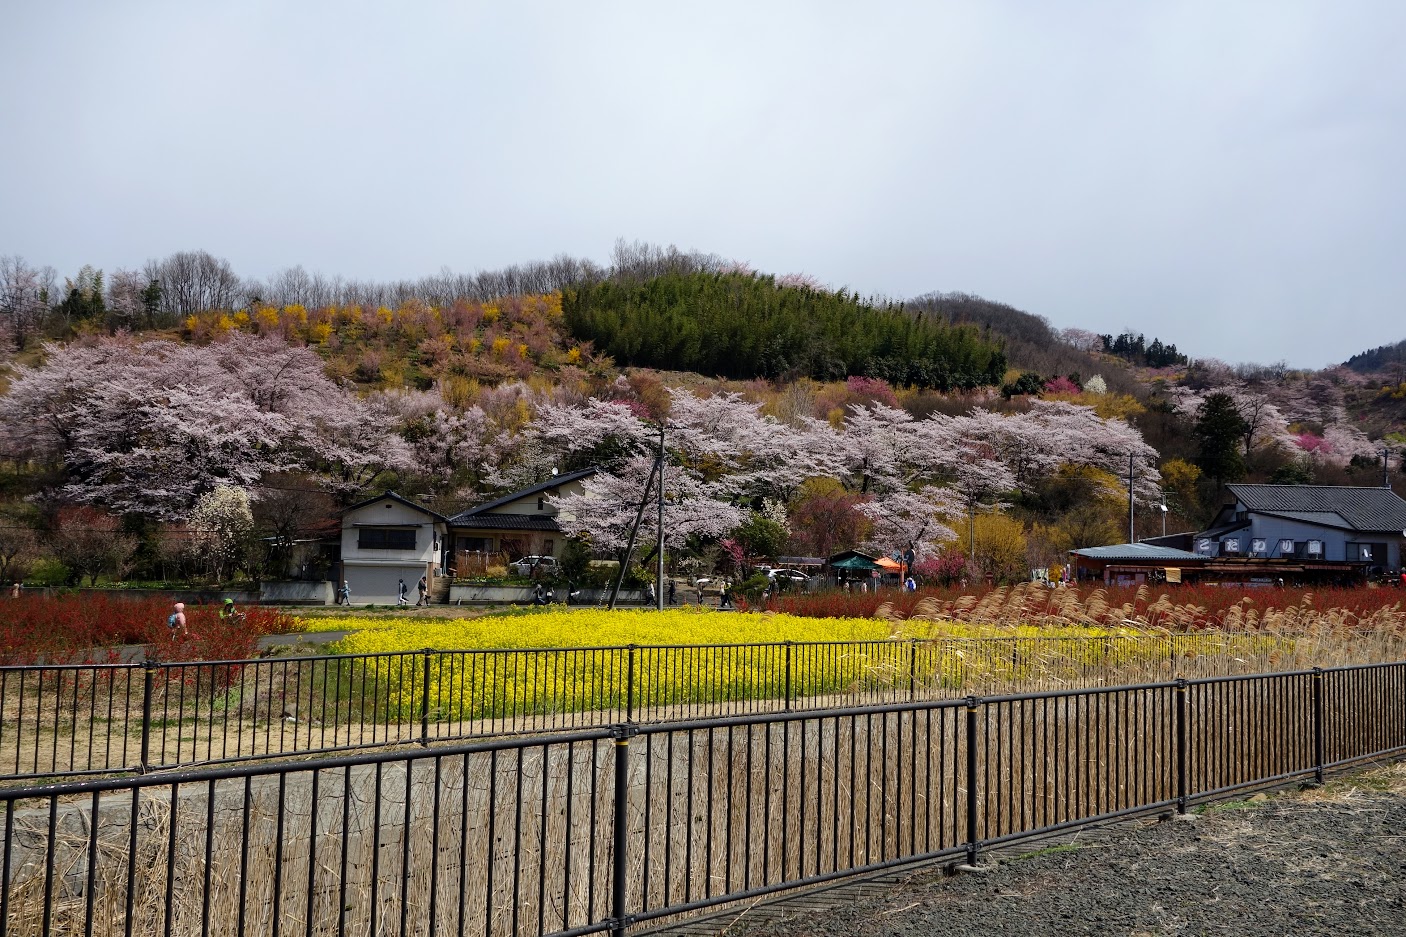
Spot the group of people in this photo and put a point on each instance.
(403, 593)
(179, 628)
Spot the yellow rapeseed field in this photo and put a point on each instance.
(559, 627)
(529, 662)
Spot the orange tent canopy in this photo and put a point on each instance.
(889, 564)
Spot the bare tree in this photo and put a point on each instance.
(91, 542)
(195, 281)
(22, 297)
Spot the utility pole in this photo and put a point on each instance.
(1386, 478)
(659, 577)
(655, 469)
(1132, 533)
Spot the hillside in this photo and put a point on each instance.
(742, 325)
(1385, 358)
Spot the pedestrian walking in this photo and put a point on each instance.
(424, 587)
(671, 591)
(402, 594)
(344, 594)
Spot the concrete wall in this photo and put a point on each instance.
(522, 595)
(297, 593)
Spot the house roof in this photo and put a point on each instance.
(1223, 529)
(468, 517)
(853, 559)
(493, 520)
(1370, 509)
(1146, 552)
(392, 496)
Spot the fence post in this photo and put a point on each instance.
(789, 646)
(425, 699)
(972, 846)
(1318, 746)
(148, 679)
(1181, 745)
(630, 683)
(619, 914)
(912, 669)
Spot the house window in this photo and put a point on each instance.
(541, 502)
(476, 544)
(386, 538)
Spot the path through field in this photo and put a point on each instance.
(1319, 862)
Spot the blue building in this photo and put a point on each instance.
(1316, 525)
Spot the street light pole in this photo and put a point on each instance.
(1132, 533)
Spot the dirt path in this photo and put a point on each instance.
(1321, 862)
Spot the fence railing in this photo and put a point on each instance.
(613, 827)
(60, 720)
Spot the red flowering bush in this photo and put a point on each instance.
(1188, 608)
(91, 628)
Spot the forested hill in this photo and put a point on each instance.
(743, 325)
(1384, 358)
(1030, 343)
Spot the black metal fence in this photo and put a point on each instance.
(610, 828)
(61, 720)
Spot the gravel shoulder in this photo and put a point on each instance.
(1330, 861)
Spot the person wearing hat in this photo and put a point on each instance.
(229, 613)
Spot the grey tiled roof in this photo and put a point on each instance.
(1368, 509)
(1139, 551)
(495, 521)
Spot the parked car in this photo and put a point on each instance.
(538, 565)
(787, 575)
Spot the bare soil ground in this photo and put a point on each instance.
(1330, 861)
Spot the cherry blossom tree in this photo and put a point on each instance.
(148, 427)
(604, 511)
(906, 520)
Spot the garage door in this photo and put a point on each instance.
(376, 585)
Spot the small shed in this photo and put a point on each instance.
(853, 566)
(1135, 563)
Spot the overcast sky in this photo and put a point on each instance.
(1229, 177)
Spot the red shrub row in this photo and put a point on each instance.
(1212, 603)
(92, 628)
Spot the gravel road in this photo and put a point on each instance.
(1331, 861)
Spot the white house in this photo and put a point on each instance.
(523, 523)
(387, 539)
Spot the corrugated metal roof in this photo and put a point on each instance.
(1318, 518)
(1139, 551)
(1374, 509)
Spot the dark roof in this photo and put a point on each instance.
(1224, 529)
(465, 517)
(497, 521)
(1139, 551)
(392, 496)
(1373, 509)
